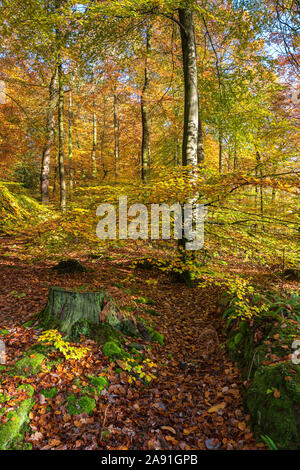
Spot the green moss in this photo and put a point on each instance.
(80, 405)
(100, 383)
(86, 404)
(136, 346)
(53, 363)
(129, 328)
(242, 348)
(41, 348)
(238, 338)
(4, 398)
(29, 322)
(28, 365)
(112, 350)
(155, 336)
(152, 312)
(12, 432)
(28, 388)
(4, 332)
(77, 307)
(278, 417)
(15, 207)
(273, 394)
(105, 434)
(81, 328)
(101, 332)
(49, 392)
(143, 300)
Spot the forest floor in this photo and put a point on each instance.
(194, 403)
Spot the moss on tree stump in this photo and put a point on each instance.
(94, 315)
(65, 308)
(76, 313)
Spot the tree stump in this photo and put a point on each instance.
(69, 266)
(65, 308)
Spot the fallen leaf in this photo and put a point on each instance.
(216, 408)
(168, 428)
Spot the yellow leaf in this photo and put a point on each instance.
(216, 408)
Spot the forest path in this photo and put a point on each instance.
(195, 402)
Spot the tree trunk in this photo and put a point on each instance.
(55, 175)
(220, 151)
(103, 138)
(116, 136)
(94, 147)
(45, 167)
(235, 157)
(177, 152)
(145, 150)
(61, 166)
(70, 146)
(260, 190)
(191, 119)
(191, 106)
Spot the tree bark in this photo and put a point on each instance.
(103, 138)
(191, 117)
(116, 136)
(70, 152)
(235, 157)
(145, 150)
(220, 138)
(68, 311)
(45, 167)
(94, 147)
(61, 166)
(258, 172)
(65, 308)
(191, 101)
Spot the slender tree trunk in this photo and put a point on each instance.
(103, 138)
(94, 148)
(61, 166)
(55, 175)
(177, 152)
(191, 101)
(177, 143)
(261, 191)
(50, 126)
(70, 150)
(235, 157)
(116, 136)
(145, 150)
(220, 138)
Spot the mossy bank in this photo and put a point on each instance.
(263, 349)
